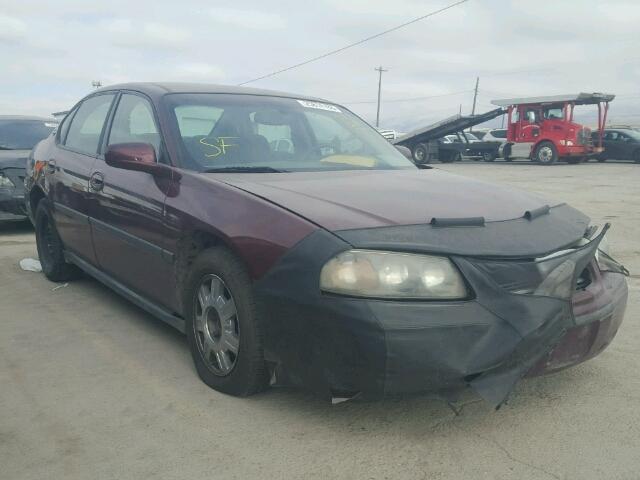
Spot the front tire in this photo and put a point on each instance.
(546, 153)
(223, 324)
(50, 247)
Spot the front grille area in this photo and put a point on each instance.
(584, 137)
(584, 279)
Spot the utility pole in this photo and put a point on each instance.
(379, 70)
(475, 97)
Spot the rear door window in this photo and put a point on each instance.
(87, 124)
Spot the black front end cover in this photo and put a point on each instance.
(331, 343)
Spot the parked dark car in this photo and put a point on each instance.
(619, 144)
(455, 147)
(18, 135)
(294, 245)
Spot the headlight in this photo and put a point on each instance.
(5, 182)
(369, 273)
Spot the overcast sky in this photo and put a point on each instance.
(50, 51)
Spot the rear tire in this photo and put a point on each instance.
(224, 328)
(546, 153)
(420, 154)
(488, 157)
(50, 247)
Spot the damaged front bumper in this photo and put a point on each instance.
(12, 200)
(341, 347)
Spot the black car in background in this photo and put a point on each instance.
(619, 144)
(455, 147)
(18, 135)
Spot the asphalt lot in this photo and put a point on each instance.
(93, 387)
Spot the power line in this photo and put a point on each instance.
(413, 99)
(359, 42)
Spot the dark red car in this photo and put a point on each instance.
(294, 245)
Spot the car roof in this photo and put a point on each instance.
(28, 118)
(159, 89)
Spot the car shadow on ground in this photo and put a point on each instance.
(16, 227)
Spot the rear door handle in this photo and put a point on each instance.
(96, 181)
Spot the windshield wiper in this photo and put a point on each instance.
(255, 169)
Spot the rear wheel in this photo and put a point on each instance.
(50, 248)
(488, 156)
(223, 324)
(546, 153)
(420, 154)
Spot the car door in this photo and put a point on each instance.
(127, 215)
(67, 173)
(626, 147)
(611, 143)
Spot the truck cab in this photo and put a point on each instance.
(543, 129)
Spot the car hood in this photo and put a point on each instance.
(13, 158)
(383, 198)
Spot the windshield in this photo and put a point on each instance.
(23, 134)
(245, 133)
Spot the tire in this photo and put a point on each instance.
(420, 154)
(546, 153)
(506, 153)
(488, 156)
(636, 156)
(50, 247)
(223, 326)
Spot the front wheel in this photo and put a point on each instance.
(546, 153)
(223, 324)
(50, 247)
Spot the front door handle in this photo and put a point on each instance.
(96, 181)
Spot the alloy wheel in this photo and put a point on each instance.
(216, 326)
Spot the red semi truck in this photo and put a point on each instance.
(542, 128)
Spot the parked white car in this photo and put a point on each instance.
(495, 135)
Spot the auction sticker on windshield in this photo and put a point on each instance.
(319, 106)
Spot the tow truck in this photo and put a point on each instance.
(542, 128)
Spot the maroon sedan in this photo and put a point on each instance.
(294, 245)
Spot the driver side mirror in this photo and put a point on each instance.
(140, 157)
(404, 151)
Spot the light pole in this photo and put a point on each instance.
(379, 70)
